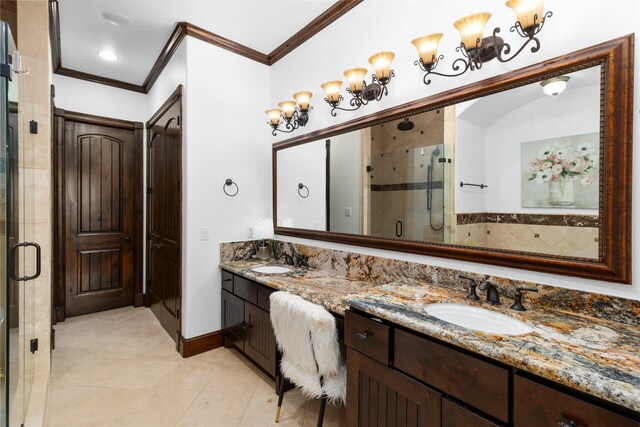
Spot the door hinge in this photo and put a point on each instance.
(149, 190)
(179, 120)
(178, 314)
(33, 127)
(33, 345)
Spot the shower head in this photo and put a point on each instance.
(435, 152)
(405, 125)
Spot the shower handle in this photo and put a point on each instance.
(12, 264)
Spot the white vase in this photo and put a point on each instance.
(561, 192)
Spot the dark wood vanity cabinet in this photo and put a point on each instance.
(400, 378)
(246, 323)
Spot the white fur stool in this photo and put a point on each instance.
(307, 337)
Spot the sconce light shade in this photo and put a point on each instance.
(356, 76)
(332, 89)
(528, 12)
(471, 29)
(288, 108)
(381, 63)
(274, 116)
(263, 228)
(554, 86)
(427, 47)
(303, 98)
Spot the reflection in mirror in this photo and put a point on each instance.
(516, 170)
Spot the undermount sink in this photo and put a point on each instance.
(271, 269)
(478, 319)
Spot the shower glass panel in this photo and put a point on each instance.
(407, 193)
(19, 256)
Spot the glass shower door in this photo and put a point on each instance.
(19, 256)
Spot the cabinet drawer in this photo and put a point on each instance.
(367, 336)
(227, 281)
(454, 415)
(481, 384)
(263, 297)
(538, 405)
(245, 289)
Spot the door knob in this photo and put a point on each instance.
(127, 239)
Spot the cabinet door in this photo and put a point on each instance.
(260, 341)
(380, 396)
(536, 405)
(232, 319)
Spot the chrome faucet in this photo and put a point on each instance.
(493, 297)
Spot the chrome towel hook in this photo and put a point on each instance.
(228, 183)
(300, 187)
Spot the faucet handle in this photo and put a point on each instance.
(517, 304)
(472, 291)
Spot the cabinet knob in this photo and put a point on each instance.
(362, 335)
(567, 424)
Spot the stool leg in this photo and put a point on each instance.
(323, 402)
(280, 397)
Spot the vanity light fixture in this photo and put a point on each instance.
(361, 92)
(554, 86)
(477, 49)
(293, 114)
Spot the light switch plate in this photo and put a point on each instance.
(347, 212)
(205, 233)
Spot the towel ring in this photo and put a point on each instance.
(228, 183)
(300, 187)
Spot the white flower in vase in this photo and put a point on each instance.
(542, 176)
(557, 169)
(545, 152)
(563, 152)
(585, 149)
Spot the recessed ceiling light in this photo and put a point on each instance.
(117, 19)
(108, 56)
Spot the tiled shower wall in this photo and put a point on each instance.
(35, 173)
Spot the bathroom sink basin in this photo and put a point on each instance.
(478, 319)
(271, 269)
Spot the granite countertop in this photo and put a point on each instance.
(597, 356)
(328, 290)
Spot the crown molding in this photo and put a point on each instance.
(183, 29)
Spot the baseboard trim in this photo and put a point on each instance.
(58, 314)
(139, 300)
(196, 345)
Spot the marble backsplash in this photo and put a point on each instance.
(378, 271)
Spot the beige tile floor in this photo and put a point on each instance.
(120, 368)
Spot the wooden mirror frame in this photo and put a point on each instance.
(616, 136)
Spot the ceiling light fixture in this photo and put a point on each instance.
(361, 92)
(108, 56)
(554, 86)
(116, 19)
(294, 114)
(477, 49)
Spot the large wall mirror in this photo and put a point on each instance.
(530, 169)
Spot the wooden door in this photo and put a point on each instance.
(164, 218)
(101, 167)
(380, 396)
(260, 340)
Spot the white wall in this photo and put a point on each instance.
(100, 100)
(226, 137)
(349, 41)
(303, 164)
(470, 166)
(346, 170)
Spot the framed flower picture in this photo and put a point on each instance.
(561, 172)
